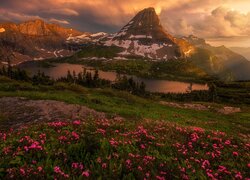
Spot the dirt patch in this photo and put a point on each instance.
(201, 107)
(20, 111)
(186, 105)
(229, 110)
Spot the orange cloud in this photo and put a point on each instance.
(177, 16)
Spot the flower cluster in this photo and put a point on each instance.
(116, 148)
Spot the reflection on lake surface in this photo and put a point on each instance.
(152, 85)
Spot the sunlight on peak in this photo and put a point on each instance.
(2, 30)
(158, 10)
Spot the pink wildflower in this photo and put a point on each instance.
(142, 146)
(22, 171)
(74, 165)
(57, 169)
(35, 145)
(235, 153)
(77, 122)
(99, 160)
(75, 135)
(238, 176)
(39, 168)
(104, 165)
(227, 142)
(160, 178)
(85, 173)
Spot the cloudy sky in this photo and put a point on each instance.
(211, 19)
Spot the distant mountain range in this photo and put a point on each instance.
(37, 40)
(141, 38)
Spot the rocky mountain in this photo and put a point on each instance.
(87, 38)
(145, 37)
(219, 60)
(35, 40)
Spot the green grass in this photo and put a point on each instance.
(151, 141)
(129, 106)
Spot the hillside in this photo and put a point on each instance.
(38, 40)
(244, 51)
(70, 139)
(220, 61)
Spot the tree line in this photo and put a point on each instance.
(85, 78)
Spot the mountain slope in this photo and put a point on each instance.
(244, 51)
(219, 60)
(145, 37)
(33, 40)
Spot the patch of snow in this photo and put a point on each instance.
(122, 33)
(165, 57)
(55, 54)
(38, 59)
(124, 53)
(98, 34)
(60, 51)
(5, 63)
(130, 22)
(78, 39)
(120, 58)
(140, 37)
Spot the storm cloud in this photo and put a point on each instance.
(221, 18)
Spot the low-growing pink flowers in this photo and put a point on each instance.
(85, 173)
(77, 122)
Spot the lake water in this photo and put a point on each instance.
(152, 85)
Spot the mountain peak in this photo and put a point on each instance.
(145, 36)
(145, 22)
(152, 9)
(37, 21)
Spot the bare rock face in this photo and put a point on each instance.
(144, 36)
(33, 40)
(34, 28)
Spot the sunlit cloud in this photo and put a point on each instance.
(208, 18)
(58, 21)
(62, 11)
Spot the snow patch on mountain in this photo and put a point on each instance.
(98, 34)
(87, 38)
(140, 37)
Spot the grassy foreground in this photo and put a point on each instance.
(151, 141)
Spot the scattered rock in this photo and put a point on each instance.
(186, 105)
(229, 110)
(20, 111)
(200, 107)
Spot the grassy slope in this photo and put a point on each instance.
(129, 106)
(150, 142)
